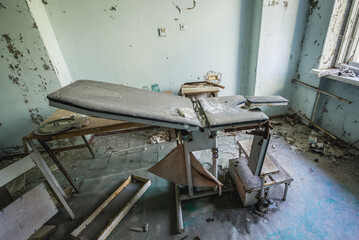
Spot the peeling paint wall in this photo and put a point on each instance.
(38, 12)
(26, 76)
(338, 117)
(312, 45)
(117, 41)
(282, 29)
(335, 116)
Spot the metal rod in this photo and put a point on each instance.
(285, 191)
(206, 193)
(215, 166)
(180, 227)
(315, 106)
(313, 124)
(188, 169)
(88, 146)
(58, 164)
(214, 162)
(321, 91)
(262, 188)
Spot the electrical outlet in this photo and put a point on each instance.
(162, 32)
(183, 27)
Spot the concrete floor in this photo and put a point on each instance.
(322, 203)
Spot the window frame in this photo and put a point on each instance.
(349, 49)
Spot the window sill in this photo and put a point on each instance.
(349, 80)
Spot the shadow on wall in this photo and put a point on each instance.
(250, 25)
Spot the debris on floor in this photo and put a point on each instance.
(142, 229)
(160, 137)
(305, 139)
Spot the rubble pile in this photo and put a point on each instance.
(303, 138)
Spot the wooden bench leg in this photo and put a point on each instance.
(58, 164)
(50, 178)
(285, 191)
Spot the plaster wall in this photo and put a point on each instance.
(282, 29)
(26, 75)
(118, 41)
(337, 117)
(302, 99)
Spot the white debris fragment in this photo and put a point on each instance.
(312, 139)
(187, 113)
(160, 137)
(213, 107)
(80, 120)
(293, 148)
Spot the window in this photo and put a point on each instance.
(349, 50)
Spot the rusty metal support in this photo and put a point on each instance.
(321, 91)
(89, 147)
(315, 106)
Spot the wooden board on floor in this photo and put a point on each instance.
(14, 170)
(106, 217)
(27, 214)
(269, 166)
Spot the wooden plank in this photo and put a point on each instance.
(269, 166)
(283, 176)
(196, 90)
(96, 125)
(126, 209)
(16, 169)
(26, 214)
(43, 232)
(113, 209)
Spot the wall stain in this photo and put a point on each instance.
(272, 3)
(15, 68)
(2, 6)
(44, 2)
(34, 25)
(36, 116)
(46, 67)
(113, 8)
(313, 5)
(16, 53)
(15, 80)
(285, 4)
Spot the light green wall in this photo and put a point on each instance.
(122, 45)
(26, 76)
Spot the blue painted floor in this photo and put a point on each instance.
(322, 202)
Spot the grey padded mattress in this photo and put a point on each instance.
(120, 102)
(266, 99)
(223, 112)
